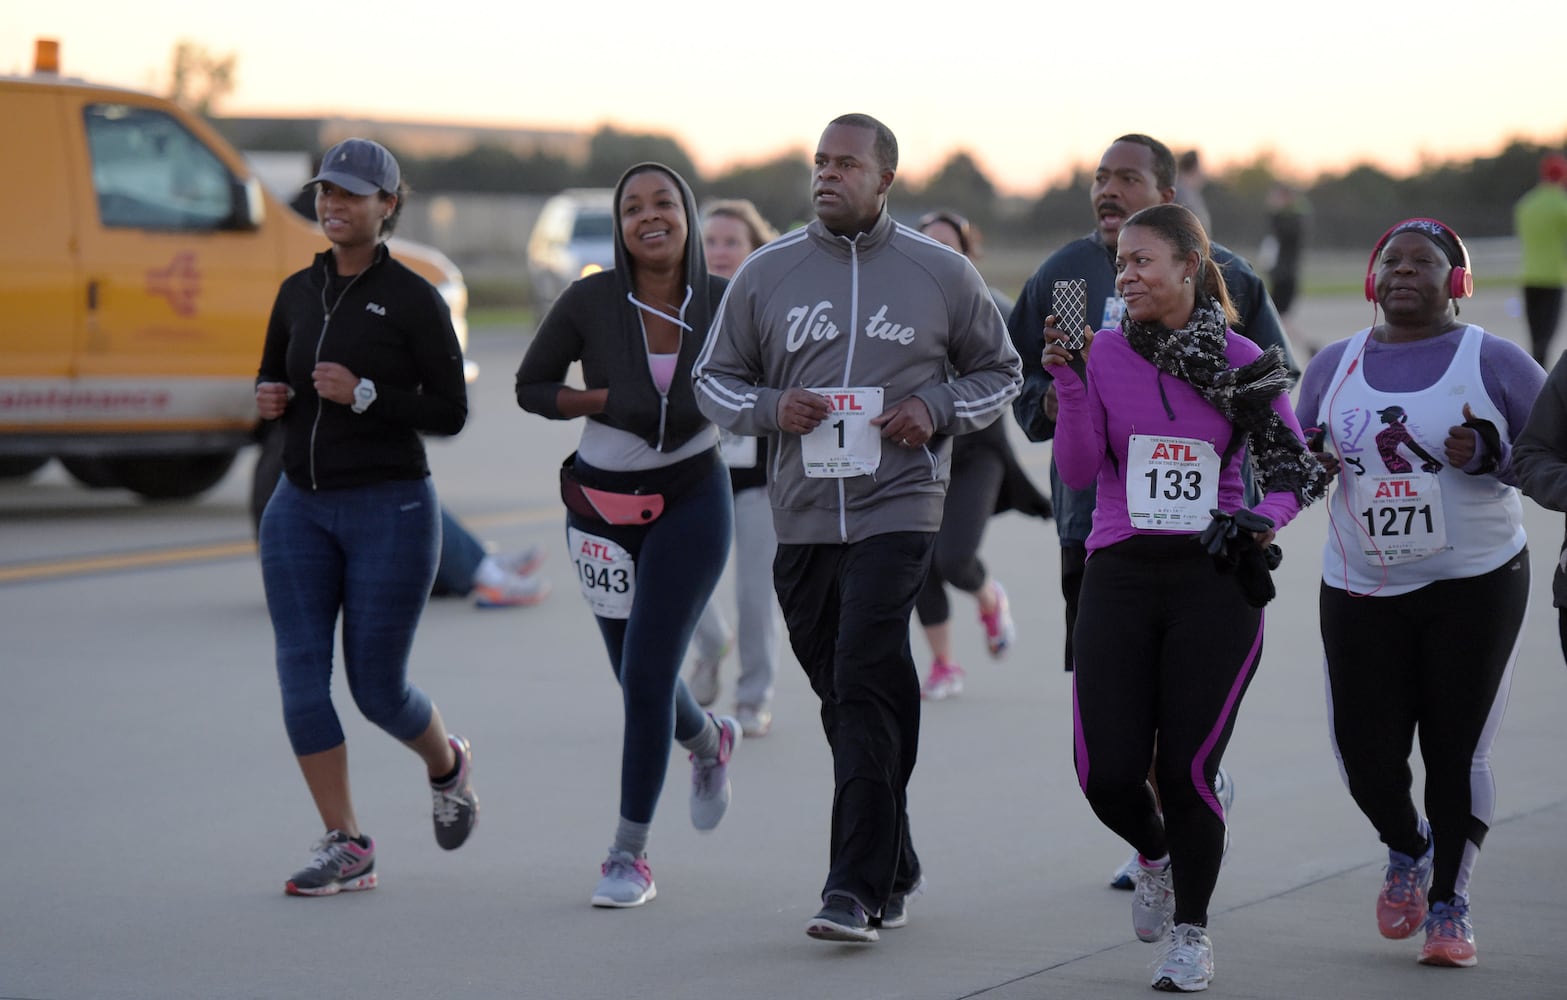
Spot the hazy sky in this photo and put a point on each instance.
(1028, 89)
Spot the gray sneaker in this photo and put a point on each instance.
(895, 913)
(755, 720)
(1153, 902)
(338, 865)
(710, 777)
(626, 881)
(841, 918)
(454, 805)
(703, 682)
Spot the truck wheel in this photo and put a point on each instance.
(264, 479)
(21, 466)
(172, 477)
(91, 471)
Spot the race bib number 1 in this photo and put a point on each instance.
(605, 572)
(844, 445)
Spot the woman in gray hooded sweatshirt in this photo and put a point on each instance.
(649, 514)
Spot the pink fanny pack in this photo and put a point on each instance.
(611, 508)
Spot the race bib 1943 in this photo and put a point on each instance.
(605, 572)
(846, 444)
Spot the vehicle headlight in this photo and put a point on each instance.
(455, 292)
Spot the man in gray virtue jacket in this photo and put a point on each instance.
(859, 347)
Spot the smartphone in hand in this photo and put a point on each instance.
(1069, 303)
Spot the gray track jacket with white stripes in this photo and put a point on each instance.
(890, 308)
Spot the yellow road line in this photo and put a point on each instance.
(80, 565)
(133, 560)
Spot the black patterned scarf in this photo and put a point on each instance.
(1195, 355)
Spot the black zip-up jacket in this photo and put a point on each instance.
(386, 324)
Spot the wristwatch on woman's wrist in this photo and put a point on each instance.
(364, 395)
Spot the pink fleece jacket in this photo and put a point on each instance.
(1125, 395)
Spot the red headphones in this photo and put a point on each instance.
(1460, 284)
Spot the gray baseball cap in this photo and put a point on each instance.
(360, 166)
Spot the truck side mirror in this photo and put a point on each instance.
(249, 207)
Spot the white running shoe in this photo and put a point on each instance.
(1187, 964)
(1125, 877)
(1153, 901)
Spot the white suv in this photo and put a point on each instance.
(574, 236)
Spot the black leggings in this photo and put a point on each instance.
(977, 475)
(1438, 660)
(1166, 647)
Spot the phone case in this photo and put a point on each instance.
(1069, 302)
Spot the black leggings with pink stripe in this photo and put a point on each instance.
(1166, 646)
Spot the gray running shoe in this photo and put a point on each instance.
(841, 918)
(455, 806)
(710, 777)
(703, 682)
(339, 865)
(755, 720)
(896, 913)
(627, 881)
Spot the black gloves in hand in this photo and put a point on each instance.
(1231, 540)
(1227, 528)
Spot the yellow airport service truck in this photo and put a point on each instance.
(139, 259)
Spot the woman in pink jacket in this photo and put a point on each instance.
(1170, 629)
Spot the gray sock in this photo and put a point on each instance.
(631, 837)
(705, 743)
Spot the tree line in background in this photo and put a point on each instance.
(1348, 209)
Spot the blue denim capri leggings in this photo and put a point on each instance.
(369, 552)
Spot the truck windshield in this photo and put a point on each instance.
(150, 173)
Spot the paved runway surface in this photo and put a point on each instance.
(150, 810)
